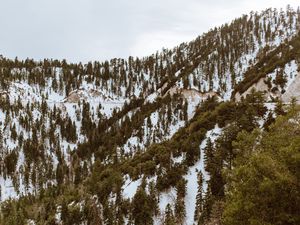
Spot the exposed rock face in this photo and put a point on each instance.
(190, 93)
(292, 91)
(196, 94)
(83, 94)
(259, 86)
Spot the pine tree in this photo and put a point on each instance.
(169, 216)
(180, 211)
(153, 197)
(279, 109)
(266, 176)
(141, 208)
(270, 119)
(208, 154)
(199, 197)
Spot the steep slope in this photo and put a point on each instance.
(293, 90)
(274, 74)
(108, 141)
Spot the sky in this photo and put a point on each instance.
(86, 30)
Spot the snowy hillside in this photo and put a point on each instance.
(99, 141)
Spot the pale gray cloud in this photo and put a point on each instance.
(83, 30)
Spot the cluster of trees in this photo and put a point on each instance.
(230, 43)
(204, 63)
(100, 195)
(41, 138)
(263, 186)
(269, 61)
(85, 184)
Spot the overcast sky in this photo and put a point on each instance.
(83, 30)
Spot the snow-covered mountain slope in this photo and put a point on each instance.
(272, 85)
(228, 60)
(293, 90)
(104, 133)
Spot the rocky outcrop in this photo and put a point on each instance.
(83, 94)
(259, 86)
(192, 94)
(293, 91)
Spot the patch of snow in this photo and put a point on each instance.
(130, 187)
(192, 180)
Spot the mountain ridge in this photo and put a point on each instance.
(101, 131)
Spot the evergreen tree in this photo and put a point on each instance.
(142, 211)
(169, 216)
(265, 176)
(199, 197)
(180, 203)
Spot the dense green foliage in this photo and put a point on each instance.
(263, 187)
